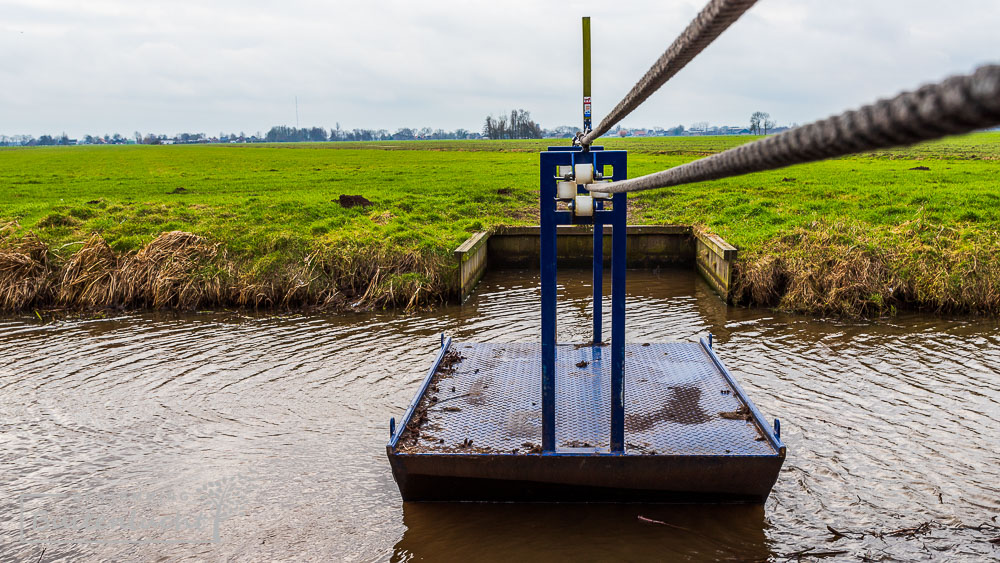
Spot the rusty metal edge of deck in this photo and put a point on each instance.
(561, 478)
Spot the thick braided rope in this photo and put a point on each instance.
(959, 104)
(709, 24)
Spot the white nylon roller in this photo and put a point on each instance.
(566, 190)
(583, 205)
(600, 195)
(584, 173)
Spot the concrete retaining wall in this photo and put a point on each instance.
(647, 246)
(715, 259)
(472, 259)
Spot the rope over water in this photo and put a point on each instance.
(960, 104)
(715, 18)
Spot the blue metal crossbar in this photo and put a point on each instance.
(552, 162)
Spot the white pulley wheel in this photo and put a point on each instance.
(584, 173)
(600, 195)
(566, 190)
(583, 206)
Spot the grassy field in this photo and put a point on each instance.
(856, 235)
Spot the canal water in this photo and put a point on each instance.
(119, 437)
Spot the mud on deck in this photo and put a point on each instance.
(486, 398)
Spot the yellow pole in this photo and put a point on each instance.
(586, 75)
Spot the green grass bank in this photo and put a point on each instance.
(202, 226)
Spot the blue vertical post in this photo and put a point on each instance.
(547, 193)
(598, 272)
(618, 241)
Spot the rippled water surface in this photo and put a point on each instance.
(892, 431)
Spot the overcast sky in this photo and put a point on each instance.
(105, 66)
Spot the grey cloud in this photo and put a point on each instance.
(168, 66)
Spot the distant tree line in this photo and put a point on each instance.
(515, 125)
(277, 134)
(675, 131)
(518, 126)
(29, 141)
(285, 134)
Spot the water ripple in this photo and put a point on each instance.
(890, 425)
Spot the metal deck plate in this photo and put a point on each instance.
(677, 402)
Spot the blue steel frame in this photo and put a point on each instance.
(550, 219)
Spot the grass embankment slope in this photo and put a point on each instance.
(89, 227)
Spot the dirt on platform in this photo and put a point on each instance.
(742, 413)
(410, 440)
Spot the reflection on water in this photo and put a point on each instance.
(546, 532)
(891, 429)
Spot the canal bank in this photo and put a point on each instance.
(345, 226)
(847, 269)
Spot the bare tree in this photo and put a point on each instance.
(503, 132)
(759, 122)
(768, 124)
(517, 125)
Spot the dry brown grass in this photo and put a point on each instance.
(840, 268)
(24, 270)
(90, 278)
(174, 271)
(384, 277)
(292, 286)
(180, 270)
(857, 270)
